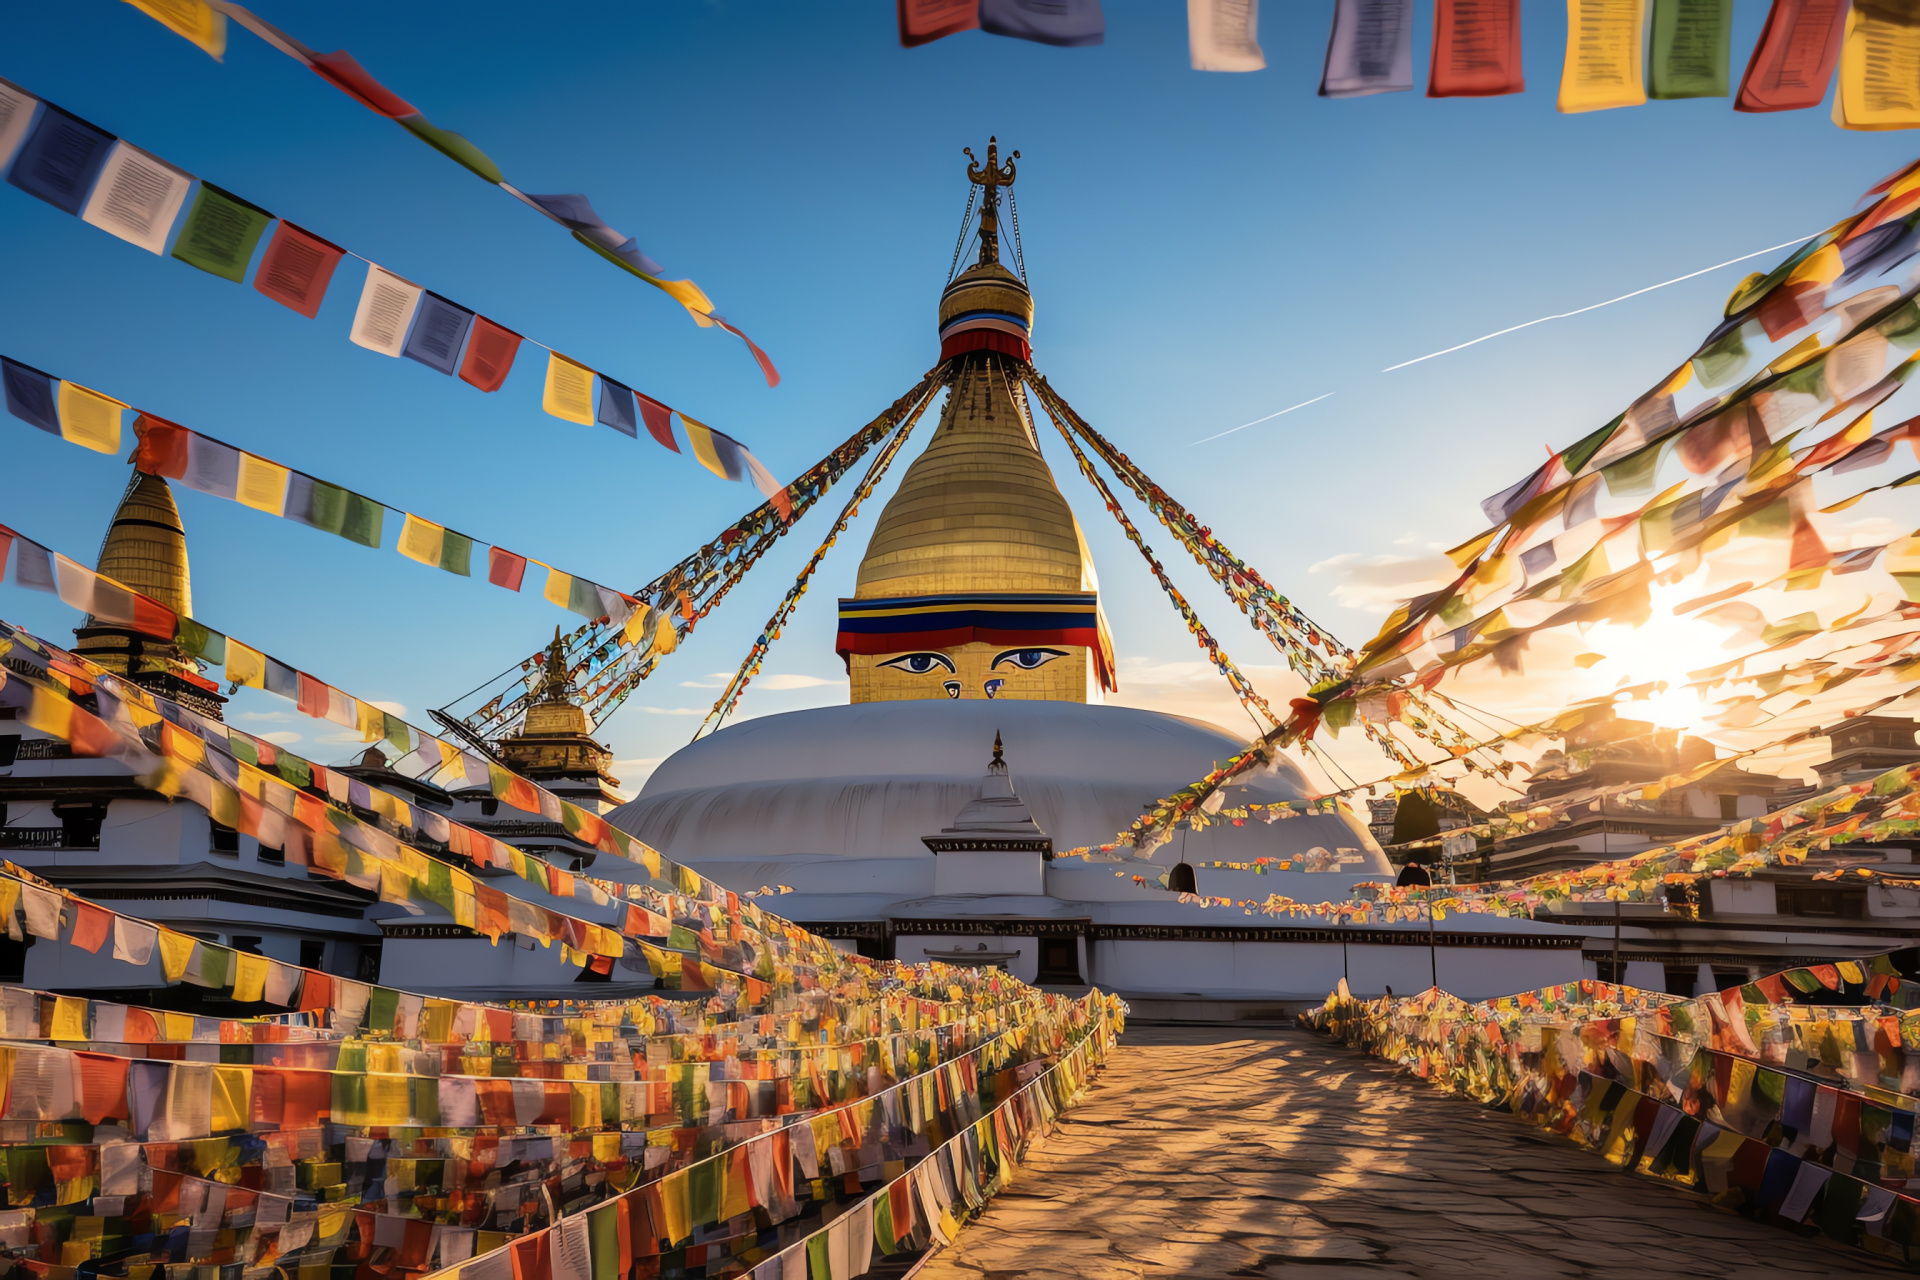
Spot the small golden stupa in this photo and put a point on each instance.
(555, 743)
(977, 582)
(146, 549)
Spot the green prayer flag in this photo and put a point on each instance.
(818, 1265)
(216, 965)
(298, 772)
(603, 1239)
(381, 1008)
(1581, 451)
(883, 1233)
(453, 146)
(220, 233)
(1633, 473)
(201, 642)
(244, 751)
(704, 1185)
(343, 512)
(1720, 359)
(396, 731)
(440, 885)
(1690, 43)
(456, 551)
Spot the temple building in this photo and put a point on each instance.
(929, 816)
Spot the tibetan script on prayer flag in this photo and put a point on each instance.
(1690, 43)
(296, 269)
(1880, 67)
(490, 352)
(1476, 49)
(137, 197)
(1224, 35)
(1794, 58)
(1370, 49)
(220, 233)
(1603, 63)
(61, 160)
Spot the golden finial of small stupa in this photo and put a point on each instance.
(992, 177)
(554, 685)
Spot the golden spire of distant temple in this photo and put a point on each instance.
(555, 741)
(146, 549)
(978, 515)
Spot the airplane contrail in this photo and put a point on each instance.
(1596, 306)
(1257, 421)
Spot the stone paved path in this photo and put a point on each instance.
(1264, 1153)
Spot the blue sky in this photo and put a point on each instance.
(1204, 250)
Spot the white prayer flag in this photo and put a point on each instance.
(137, 197)
(16, 112)
(387, 304)
(1371, 49)
(1224, 35)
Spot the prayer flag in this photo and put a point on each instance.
(262, 485)
(1602, 68)
(559, 588)
(61, 159)
(575, 212)
(453, 146)
(1067, 23)
(90, 926)
(1224, 35)
(245, 665)
(16, 113)
(707, 447)
(1793, 59)
(771, 489)
(616, 407)
(89, 419)
(133, 940)
(212, 467)
(194, 20)
(345, 74)
(1370, 49)
(387, 304)
(137, 197)
(297, 268)
(438, 333)
(30, 395)
(569, 392)
(220, 233)
(1880, 68)
(334, 510)
(490, 353)
(659, 420)
(505, 569)
(1690, 43)
(433, 544)
(176, 950)
(1476, 49)
(250, 977)
(924, 21)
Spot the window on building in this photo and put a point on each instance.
(225, 839)
(1682, 978)
(1603, 969)
(1729, 808)
(1727, 979)
(368, 969)
(313, 953)
(276, 856)
(247, 942)
(80, 823)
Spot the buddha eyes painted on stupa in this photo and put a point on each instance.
(1028, 659)
(920, 664)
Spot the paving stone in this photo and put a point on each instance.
(1272, 1155)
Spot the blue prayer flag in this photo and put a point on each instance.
(438, 330)
(576, 212)
(61, 160)
(616, 408)
(30, 395)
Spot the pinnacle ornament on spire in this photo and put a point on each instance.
(992, 177)
(554, 685)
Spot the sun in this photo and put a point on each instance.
(1663, 650)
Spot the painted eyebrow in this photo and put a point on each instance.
(940, 658)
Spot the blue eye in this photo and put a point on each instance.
(1028, 659)
(920, 664)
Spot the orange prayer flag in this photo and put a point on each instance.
(90, 926)
(103, 1086)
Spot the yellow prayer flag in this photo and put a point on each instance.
(371, 719)
(245, 666)
(635, 629)
(250, 977)
(232, 1097)
(689, 295)
(69, 1018)
(1603, 61)
(1879, 69)
(674, 1198)
(665, 638)
(569, 392)
(89, 419)
(700, 435)
(450, 757)
(421, 540)
(176, 950)
(175, 1027)
(194, 20)
(559, 587)
(263, 485)
(50, 712)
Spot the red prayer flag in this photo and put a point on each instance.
(313, 696)
(151, 618)
(316, 992)
(90, 926)
(103, 1086)
(1793, 60)
(1476, 49)
(490, 352)
(162, 450)
(659, 420)
(296, 269)
(532, 1257)
(924, 21)
(352, 79)
(767, 371)
(505, 569)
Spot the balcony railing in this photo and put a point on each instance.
(43, 838)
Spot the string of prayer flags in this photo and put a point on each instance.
(1794, 58)
(60, 159)
(1070, 24)
(1224, 35)
(138, 198)
(1476, 49)
(572, 211)
(924, 21)
(1370, 49)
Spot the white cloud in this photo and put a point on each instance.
(1376, 584)
(279, 717)
(788, 680)
(716, 680)
(673, 711)
(284, 737)
(392, 708)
